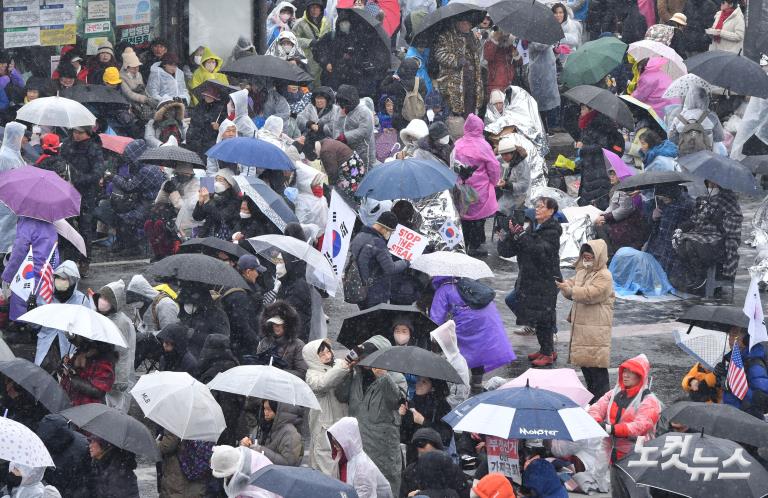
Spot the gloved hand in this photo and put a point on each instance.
(169, 186)
(466, 171)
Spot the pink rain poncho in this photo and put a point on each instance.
(652, 85)
(473, 151)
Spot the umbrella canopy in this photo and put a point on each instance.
(645, 49)
(38, 193)
(706, 346)
(731, 71)
(524, 413)
(19, 444)
(406, 179)
(319, 271)
(719, 420)
(198, 268)
(265, 382)
(267, 66)
(180, 404)
(171, 155)
(413, 360)
(650, 179)
(615, 163)
(300, 482)
(559, 380)
(37, 382)
(434, 23)
(451, 264)
(251, 152)
(56, 111)
(214, 86)
(526, 19)
(378, 320)
(679, 88)
(722, 170)
(720, 318)
(67, 231)
(211, 246)
(5, 352)
(592, 61)
(78, 320)
(267, 200)
(95, 94)
(369, 31)
(114, 427)
(757, 164)
(603, 102)
(115, 143)
(694, 451)
(641, 109)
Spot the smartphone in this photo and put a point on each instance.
(207, 182)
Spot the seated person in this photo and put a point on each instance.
(621, 224)
(637, 272)
(701, 385)
(221, 211)
(540, 475)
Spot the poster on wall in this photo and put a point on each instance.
(132, 12)
(57, 14)
(21, 37)
(98, 9)
(65, 34)
(135, 35)
(20, 13)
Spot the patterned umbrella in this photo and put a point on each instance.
(20, 445)
(171, 155)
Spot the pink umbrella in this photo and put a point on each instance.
(115, 143)
(560, 380)
(614, 162)
(644, 49)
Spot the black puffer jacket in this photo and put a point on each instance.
(296, 291)
(200, 135)
(538, 259)
(219, 215)
(241, 308)
(112, 476)
(700, 16)
(595, 187)
(69, 450)
(207, 316)
(285, 350)
(216, 357)
(604, 133)
(180, 359)
(86, 162)
(369, 249)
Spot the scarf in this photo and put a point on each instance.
(586, 119)
(342, 463)
(724, 14)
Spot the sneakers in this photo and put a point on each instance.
(525, 331)
(544, 360)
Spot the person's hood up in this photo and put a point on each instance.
(274, 125)
(639, 365)
(215, 347)
(371, 209)
(440, 280)
(416, 130)
(349, 94)
(324, 91)
(368, 102)
(69, 270)
(655, 64)
(176, 333)
(306, 177)
(667, 148)
(445, 337)
(133, 151)
(431, 470)
(347, 432)
(311, 358)
(494, 485)
(240, 101)
(114, 292)
(281, 6)
(295, 51)
(229, 176)
(139, 286)
(497, 97)
(334, 153)
(223, 128)
(55, 432)
(430, 435)
(283, 310)
(600, 249)
(208, 54)
(243, 47)
(473, 127)
(169, 109)
(696, 98)
(10, 150)
(29, 475)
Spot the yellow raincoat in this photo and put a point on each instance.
(201, 74)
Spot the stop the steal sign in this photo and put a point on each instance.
(406, 244)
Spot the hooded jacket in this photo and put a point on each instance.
(296, 292)
(163, 86)
(445, 337)
(86, 161)
(288, 348)
(310, 209)
(324, 118)
(162, 310)
(323, 380)
(10, 158)
(652, 85)
(283, 444)
(696, 102)
(307, 33)
(238, 484)
(631, 412)
(31, 482)
(168, 115)
(595, 187)
(472, 150)
(296, 50)
(69, 450)
(125, 376)
(356, 126)
(362, 473)
(369, 250)
(180, 359)
(201, 74)
(243, 122)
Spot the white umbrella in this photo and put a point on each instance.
(78, 320)
(319, 271)
(56, 111)
(67, 231)
(679, 87)
(644, 49)
(180, 404)
(265, 382)
(20, 445)
(5, 352)
(451, 264)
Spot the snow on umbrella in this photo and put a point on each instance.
(679, 88)
(267, 66)
(38, 193)
(603, 102)
(559, 380)
(731, 71)
(300, 482)
(413, 360)
(37, 382)
(524, 413)
(319, 270)
(56, 111)
(170, 156)
(406, 179)
(180, 404)
(251, 152)
(451, 264)
(705, 346)
(721, 318)
(19, 444)
(198, 268)
(265, 382)
(115, 427)
(78, 320)
(362, 325)
(718, 420)
(645, 49)
(211, 246)
(527, 19)
(267, 200)
(726, 172)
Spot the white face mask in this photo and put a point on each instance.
(103, 305)
(244, 215)
(344, 26)
(61, 284)
(190, 308)
(430, 115)
(198, 59)
(280, 270)
(219, 187)
(210, 66)
(445, 140)
(588, 264)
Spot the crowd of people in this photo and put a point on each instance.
(469, 97)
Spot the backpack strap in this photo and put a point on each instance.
(159, 297)
(416, 85)
(703, 116)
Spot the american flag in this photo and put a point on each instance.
(737, 378)
(45, 290)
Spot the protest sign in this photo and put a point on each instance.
(407, 244)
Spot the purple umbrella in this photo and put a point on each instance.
(38, 193)
(614, 162)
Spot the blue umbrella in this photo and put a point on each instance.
(406, 179)
(251, 152)
(300, 482)
(267, 200)
(524, 413)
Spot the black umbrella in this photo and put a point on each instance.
(436, 22)
(369, 30)
(210, 246)
(115, 427)
(413, 360)
(217, 87)
(719, 420)
(37, 382)
(269, 202)
(722, 170)
(715, 317)
(94, 94)
(171, 156)
(731, 71)
(603, 102)
(198, 268)
(267, 66)
(701, 452)
(300, 482)
(650, 179)
(378, 320)
(527, 19)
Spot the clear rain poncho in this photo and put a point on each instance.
(276, 50)
(31, 483)
(10, 158)
(754, 122)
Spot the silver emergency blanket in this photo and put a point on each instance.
(521, 111)
(575, 234)
(434, 211)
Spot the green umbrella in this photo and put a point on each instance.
(592, 61)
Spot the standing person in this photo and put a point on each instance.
(133, 86)
(276, 437)
(668, 8)
(500, 53)
(166, 80)
(176, 357)
(210, 65)
(236, 466)
(112, 471)
(591, 316)
(185, 470)
(206, 119)
(312, 26)
(698, 17)
(355, 466)
(652, 84)
(457, 52)
(69, 451)
(280, 327)
(755, 400)
(515, 181)
(728, 30)
(542, 81)
(534, 298)
(444, 338)
(354, 126)
(473, 152)
(221, 211)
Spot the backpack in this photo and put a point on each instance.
(194, 457)
(476, 295)
(694, 137)
(413, 104)
(355, 290)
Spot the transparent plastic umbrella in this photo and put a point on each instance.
(451, 264)
(78, 320)
(56, 111)
(265, 382)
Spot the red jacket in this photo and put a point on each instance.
(99, 372)
(501, 65)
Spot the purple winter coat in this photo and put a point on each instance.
(473, 150)
(480, 333)
(652, 85)
(41, 235)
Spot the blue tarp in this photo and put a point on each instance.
(637, 272)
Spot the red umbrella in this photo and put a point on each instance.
(391, 9)
(115, 143)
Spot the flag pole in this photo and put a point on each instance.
(48, 261)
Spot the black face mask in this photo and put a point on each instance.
(63, 296)
(182, 178)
